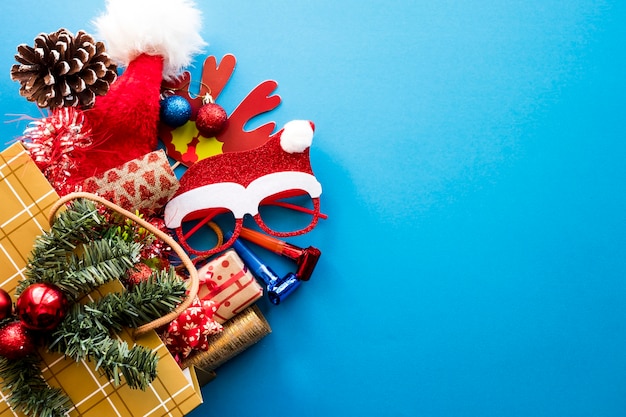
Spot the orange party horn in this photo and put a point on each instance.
(305, 258)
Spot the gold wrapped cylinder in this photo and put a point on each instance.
(240, 332)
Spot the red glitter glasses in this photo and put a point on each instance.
(274, 184)
(282, 215)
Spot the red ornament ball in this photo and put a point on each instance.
(15, 341)
(139, 273)
(41, 306)
(6, 304)
(211, 119)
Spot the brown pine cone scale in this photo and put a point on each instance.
(63, 70)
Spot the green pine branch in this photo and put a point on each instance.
(101, 261)
(85, 333)
(98, 262)
(138, 365)
(143, 302)
(82, 251)
(81, 336)
(28, 392)
(81, 222)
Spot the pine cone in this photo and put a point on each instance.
(63, 70)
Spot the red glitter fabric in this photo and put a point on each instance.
(124, 121)
(244, 167)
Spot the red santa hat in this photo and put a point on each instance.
(153, 40)
(239, 181)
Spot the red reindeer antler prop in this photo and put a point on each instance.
(260, 100)
(185, 144)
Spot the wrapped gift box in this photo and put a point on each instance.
(227, 281)
(27, 197)
(145, 183)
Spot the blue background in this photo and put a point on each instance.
(472, 156)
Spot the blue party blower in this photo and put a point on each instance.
(277, 288)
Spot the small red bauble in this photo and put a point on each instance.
(211, 118)
(15, 341)
(139, 273)
(6, 304)
(41, 306)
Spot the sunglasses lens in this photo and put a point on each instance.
(203, 235)
(287, 214)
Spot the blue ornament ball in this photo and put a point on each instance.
(175, 111)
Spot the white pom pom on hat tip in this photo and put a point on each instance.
(297, 136)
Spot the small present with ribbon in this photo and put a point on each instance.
(191, 329)
(227, 281)
(146, 183)
(226, 289)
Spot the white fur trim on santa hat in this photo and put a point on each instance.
(238, 199)
(297, 135)
(169, 28)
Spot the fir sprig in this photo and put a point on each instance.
(98, 262)
(101, 261)
(85, 332)
(80, 223)
(138, 365)
(82, 336)
(145, 301)
(82, 251)
(28, 392)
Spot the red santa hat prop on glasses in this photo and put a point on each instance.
(153, 40)
(240, 181)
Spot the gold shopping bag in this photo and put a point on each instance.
(27, 198)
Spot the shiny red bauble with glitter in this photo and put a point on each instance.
(6, 305)
(138, 274)
(211, 119)
(15, 341)
(41, 306)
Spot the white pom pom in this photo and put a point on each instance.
(169, 28)
(297, 136)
